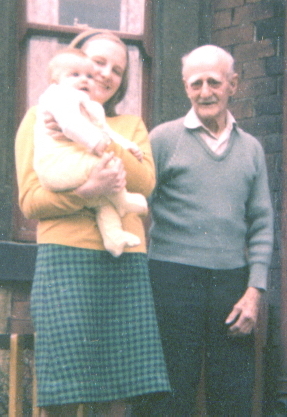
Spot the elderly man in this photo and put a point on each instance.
(211, 243)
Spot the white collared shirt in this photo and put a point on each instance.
(216, 144)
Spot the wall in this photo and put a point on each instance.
(253, 31)
(14, 292)
(8, 23)
(8, 62)
(179, 26)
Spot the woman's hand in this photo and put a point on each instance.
(106, 178)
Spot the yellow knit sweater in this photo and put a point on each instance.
(63, 218)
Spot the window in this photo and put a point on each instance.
(119, 15)
(51, 24)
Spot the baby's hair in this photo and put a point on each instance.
(60, 59)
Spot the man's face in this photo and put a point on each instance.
(209, 86)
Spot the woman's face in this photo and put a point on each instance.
(110, 62)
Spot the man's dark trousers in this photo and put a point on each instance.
(192, 305)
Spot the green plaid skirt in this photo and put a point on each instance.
(96, 332)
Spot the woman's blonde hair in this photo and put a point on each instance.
(82, 40)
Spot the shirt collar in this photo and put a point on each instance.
(191, 121)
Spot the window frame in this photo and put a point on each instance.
(23, 229)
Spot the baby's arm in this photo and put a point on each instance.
(125, 143)
(102, 145)
(66, 105)
(53, 129)
(97, 114)
(135, 151)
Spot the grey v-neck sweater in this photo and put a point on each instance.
(208, 210)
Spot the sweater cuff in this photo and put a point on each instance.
(258, 276)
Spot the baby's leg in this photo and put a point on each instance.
(126, 202)
(67, 166)
(114, 237)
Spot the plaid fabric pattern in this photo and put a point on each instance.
(96, 332)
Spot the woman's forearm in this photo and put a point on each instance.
(140, 175)
(36, 202)
(107, 177)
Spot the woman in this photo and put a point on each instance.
(97, 340)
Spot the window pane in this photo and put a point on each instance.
(121, 15)
(106, 14)
(41, 50)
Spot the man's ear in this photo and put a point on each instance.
(185, 85)
(233, 84)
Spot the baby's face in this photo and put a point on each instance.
(79, 74)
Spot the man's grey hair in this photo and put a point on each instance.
(199, 54)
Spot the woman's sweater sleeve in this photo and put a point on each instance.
(35, 201)
(140, 175)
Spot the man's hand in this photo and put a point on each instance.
(243, 317)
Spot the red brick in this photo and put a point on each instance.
(222, 19)
(256, 87)
(264, 125)
(21, 326)
(234, 35)
(239, 69)
(20, 310)
(226, 4)
(274, 162)
(251, 13)
(21, 291)
(253, 69)
(255, 50)
(273, 145)
(242, 109)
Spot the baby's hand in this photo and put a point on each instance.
(53, 127)
(135, 150)
(102, 145)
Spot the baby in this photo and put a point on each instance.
(66, 163)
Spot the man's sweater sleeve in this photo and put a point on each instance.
(260, 225)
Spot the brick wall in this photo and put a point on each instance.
(19, 320)
(15, 308)
(253, 31)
